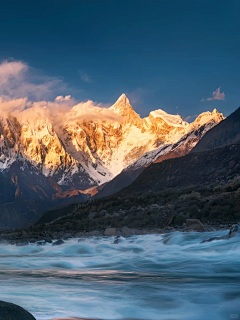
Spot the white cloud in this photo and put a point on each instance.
(59, 112)
(63, 99)
(217, 95)
(13, 105)
(85, 77)
(18, 80)
(92, 111)
(25, 95)
(10, 71)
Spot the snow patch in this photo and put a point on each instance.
(172, 120)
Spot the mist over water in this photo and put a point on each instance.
(142, 277)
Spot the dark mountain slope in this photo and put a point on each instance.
(24, 181)
(56, 213)
(124, 179)
(205, 168)
(23, 213)
(25, 194)
(225, 133)
(29, 182)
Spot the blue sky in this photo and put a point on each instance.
(163, 54)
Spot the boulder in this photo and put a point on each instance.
(110, 232)
(127, 232)
(58, 242)
(10, 311)
(118, 239)
(194, 224)
(234, 231)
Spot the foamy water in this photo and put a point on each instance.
(142, 277)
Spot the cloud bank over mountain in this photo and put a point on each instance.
(18, 80)
(22, 89)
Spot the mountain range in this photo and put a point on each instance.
(81, 152)
(53, 158)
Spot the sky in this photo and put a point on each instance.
(182, 56)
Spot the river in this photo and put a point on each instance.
(163, 277)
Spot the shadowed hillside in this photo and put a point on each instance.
(122, 180)
(205, 168)
(25, 194)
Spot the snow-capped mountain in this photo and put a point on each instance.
(166, 151)
(82, 150)
(196, 130)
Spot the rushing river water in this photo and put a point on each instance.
(141, 277)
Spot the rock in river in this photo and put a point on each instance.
(10, 311)
(233, 232)
(58, 242)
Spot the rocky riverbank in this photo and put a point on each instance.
(23, 237)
